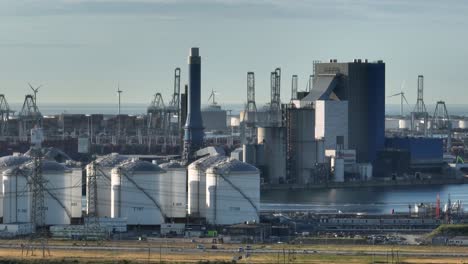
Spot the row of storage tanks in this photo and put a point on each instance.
(221, 190)
(62, 197)
(405, 124)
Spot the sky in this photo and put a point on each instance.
(81, 50)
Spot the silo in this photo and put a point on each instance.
(273, 140)
(232, 192)
(197, 184)
(176, 208)
(9, 162)
(102, 168)
(135, 193)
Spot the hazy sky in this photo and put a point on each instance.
(80, 49)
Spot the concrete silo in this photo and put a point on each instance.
(274, 141)
(232, 192)
(135, 193)
(176, 208)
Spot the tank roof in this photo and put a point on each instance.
(229, 165)
(10, 161)
(110, 160)
(47, 166)
(51, 153)
(205, 162)
(171, 165)
(141, 166)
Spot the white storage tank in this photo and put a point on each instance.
(404, 124)
(235, 121)
(17, 197)
(102, 168)
(76, 197)
(135, 193)
(176, 208)
(232, 192)
(57, 194)
(463, 124)
(9, 162)
(197, 184)
(339, 170)
(392, 124)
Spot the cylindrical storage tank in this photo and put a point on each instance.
(102, 168)
(197, 184)
(177, 204)
(235, 122)
(369, 171)
(17, 197)
(339, 170)
(57, 193)
(76, 197)
(232, 193)
(404, 124)
(135, 193)
(57, 196)
(248, 152)
(365, 171)
(463, 124)
(9, 162)
(273, 139)
(391, 124)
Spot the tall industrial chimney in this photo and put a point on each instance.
(193, 139)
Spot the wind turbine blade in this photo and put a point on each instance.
(404, 97)
(394, 95)
(30, 86)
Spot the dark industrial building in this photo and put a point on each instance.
(362, 84)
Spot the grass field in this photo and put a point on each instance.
(152, 255)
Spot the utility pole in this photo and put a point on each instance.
(92, 224)
(37, 185)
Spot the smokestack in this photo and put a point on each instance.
(193, 139)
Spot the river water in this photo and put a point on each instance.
(366, 200)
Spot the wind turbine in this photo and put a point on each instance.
(402, 97)
(35, 91)
(119, 92)
(212, 95)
